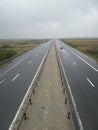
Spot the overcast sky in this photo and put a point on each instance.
(48, 18)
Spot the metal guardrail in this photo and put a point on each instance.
(71, 103)
(21, 113)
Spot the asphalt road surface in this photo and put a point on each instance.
(15, 79)
(82, 75)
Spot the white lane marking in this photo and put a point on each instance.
(65, 53)
(83, 60)
(13, 66)
(73, 100)
(30, 62)
(2, 81)
(28, 91)
(75, 63)
(15, 77)
(90, 82)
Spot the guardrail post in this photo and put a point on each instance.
(27, 99)
(68, 116)
(25, 116)
(34, 91)
(38, 78)
(65, 100)
(30, 101)
(63, 90)
(36, 84)
(40, 74)
(62, 83)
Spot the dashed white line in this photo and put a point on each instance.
(83, 60)
(30, 62)
(13, 66)
(75, 63)
(15, 77)
(2, 81)
(27, 93)
(90, 82)
(66, 53)
(73, 100)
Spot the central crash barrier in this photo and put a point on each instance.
(69, 99)
(21, 113)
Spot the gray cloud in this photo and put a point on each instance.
(48, 18)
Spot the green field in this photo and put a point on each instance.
(87, 46)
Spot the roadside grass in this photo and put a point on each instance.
(12, 49)
(89, 47)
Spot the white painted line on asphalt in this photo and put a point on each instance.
(66, 53)
(28, 91)
(30, 62)
(90, 82)
(15, 77)
(73, 100)
(83, 60)
(75, 63)
(13, 66)
(2, 81)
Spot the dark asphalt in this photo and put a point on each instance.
(15, 79)
(82, 74)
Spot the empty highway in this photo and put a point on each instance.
(82, 81)
(15, 79)
(81, 75)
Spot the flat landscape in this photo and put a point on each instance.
(87, 46)
(12, 48)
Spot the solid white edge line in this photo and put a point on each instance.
(23, 101)
(83, 60)
(15, 77)
(2, 81)
(90, 82)
(13, 66)
(73, 101)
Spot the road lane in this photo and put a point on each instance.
(2, 81)
(83, 67)
(30, 62)
(80, 56)
(90, 82)
(83, 60)
(6, 71)
(15, 79)
(21, 58)
(83, 81)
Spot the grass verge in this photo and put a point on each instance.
(9, 49)
(89, 47)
